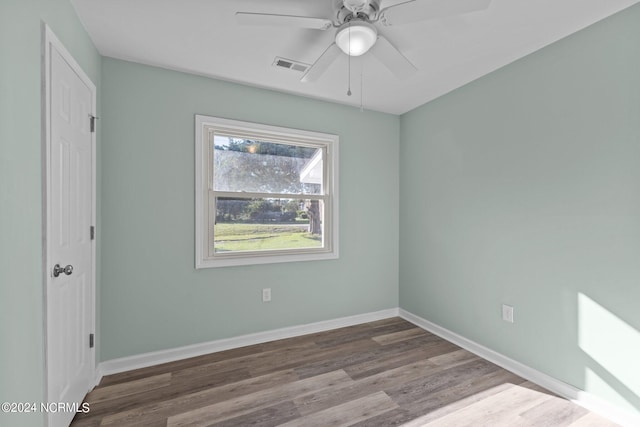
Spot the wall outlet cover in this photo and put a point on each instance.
(507, 313)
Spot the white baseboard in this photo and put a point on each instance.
(97, 377)
(123, 364)
(569, 392)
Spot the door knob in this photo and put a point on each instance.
(57, 270)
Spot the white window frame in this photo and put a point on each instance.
(206, 126)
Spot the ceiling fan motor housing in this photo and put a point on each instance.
(346, 10)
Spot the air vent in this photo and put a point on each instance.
(290, 65)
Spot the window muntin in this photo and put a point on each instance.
(264, 194)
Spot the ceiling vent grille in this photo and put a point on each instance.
(290, 65)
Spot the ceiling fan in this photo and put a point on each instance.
(357, 23)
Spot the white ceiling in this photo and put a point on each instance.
(202, 37)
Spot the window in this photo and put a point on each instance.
(264, 194)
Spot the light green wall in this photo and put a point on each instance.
(523, 188)
(21, 289)
(152, 298)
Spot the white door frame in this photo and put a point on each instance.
(49, 41)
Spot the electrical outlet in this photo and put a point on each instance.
(507, 313)
(266, 295)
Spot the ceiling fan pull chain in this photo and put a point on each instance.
(361, 78)
(349, 64)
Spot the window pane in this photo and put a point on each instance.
(267, 224)
(242, 165)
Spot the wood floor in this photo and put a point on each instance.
(385, 373)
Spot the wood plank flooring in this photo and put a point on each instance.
(385, 373)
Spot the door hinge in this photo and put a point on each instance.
(92, 232)
(92, 122)
(90, 340)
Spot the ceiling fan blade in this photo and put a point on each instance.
(248, 18)
(422, 10)
(391, 57)
(320, 66)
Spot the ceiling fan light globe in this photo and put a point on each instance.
(356, 38)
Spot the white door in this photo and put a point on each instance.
(69, 293)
